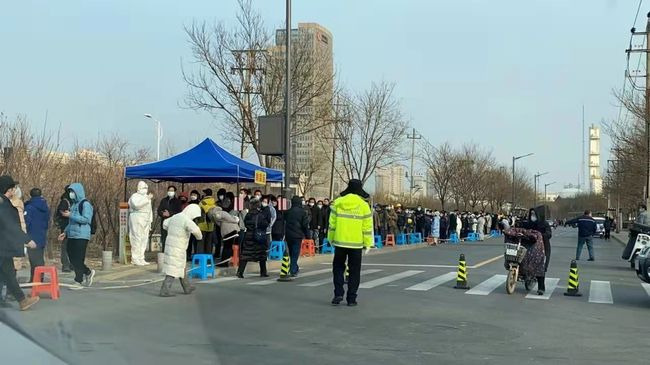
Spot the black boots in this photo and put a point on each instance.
(263, 272)
(188, 288)
(165, 288)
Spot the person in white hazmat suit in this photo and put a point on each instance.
(179, 228)
(140, 219)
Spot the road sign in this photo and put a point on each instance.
(260, 177)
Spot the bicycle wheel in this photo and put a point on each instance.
(511, 281)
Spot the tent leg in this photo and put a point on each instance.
(125, 181)
(182, 187)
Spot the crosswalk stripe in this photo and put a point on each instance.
(389, 279)
(551, 284)
(646, 286)
(329, 280)
(488, 285)
(221, 279)
(432, 283)
(275, 280)
(600, 292)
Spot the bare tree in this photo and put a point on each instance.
(374, 135)
(440, 163)
(239, 76)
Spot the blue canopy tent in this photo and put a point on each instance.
(206, 162)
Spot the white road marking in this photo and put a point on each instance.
(646, 286)
(329, 280)
(488, 285)
(389, 279)
(600, 292)
(551, 284)
(221, 279)
(275, 280)
(432, 283)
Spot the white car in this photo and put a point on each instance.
(600, 226)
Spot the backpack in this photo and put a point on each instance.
(93, 220)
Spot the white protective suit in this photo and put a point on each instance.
(481, 227)
(140, 219)
(459, 225)
(179, 228)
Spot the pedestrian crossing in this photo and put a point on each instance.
(599, 291)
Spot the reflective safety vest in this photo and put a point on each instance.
(350, 223)
(204, 223)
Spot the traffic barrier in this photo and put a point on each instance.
(572, 288)
(284, 270)
(276, 250)
(202, 266)
(307, 248)
(401, 239)
(461, 276)
(453, 238)
(234, 262)
(327, 247)
(390, 240)
(378, 241)
(40, 287)
(418, 237)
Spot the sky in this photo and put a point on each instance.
(509, 75)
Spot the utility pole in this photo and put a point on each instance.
(514, 159)
(537, 176)
(583, 181)
(645, 50)
(413, 138)
(545, 186)
(287, 104)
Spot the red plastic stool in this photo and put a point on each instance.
(307, 248)
(235, 256)
(390, 240)
(52, 287)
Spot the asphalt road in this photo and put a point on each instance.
(408, 313)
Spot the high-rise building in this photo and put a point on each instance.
(419, 186)
(314, 69)
(389, 180)
(595, 180)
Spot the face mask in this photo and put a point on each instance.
(320, 205)
(194, 197)
(265, 204)
(533, 218)
(72, 195)
(171, 194)
(220, 197)
(419, 209)
(311, 204)
(304, 203)
(258, 196)
(275, 204)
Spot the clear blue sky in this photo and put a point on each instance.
(511, 75)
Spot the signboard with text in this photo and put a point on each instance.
(260, 177)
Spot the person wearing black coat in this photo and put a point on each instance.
(169, 206)
(62, 222)
(277, 232)
(296, 224)
(13, 243)
(255, 247)
(537, 220)
(453, 223)
(444, 225)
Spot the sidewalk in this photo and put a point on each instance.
(621, 237)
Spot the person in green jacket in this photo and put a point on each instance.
(350, 231)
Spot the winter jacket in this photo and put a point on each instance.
(452, 222)
(204, 222)
(296, 221)
(586, 225)
(256, 219)
(316, 217)
(64, 204)
(228, 223)
(376, 220)
(326, 216)
(435, 227)
(642, 218)
(13, 238)
(401, 219)
(540, 225)
(172, 205)
(278, 227)
(37, 219)
(179, 228)
(391, 219)
(351, 223)
(274, 216)
(79, 224)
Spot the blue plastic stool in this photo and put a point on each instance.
(453, 238)
(202, 266)
(378, 243)
(277, 250)
(327, 247)
(472, 236)
(418, 237)
(412, 238)
(401, 239)
(494, 233)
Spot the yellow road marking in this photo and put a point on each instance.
(488, 261)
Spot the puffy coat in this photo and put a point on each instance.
(391, 218)
(278, 227)
(350, 223)
(79, 224)
(435, 226)
(37, 219)
(259, 219)
(296, 221)
(228, 223)
(13, 238)
(206, 205)
(179, 228)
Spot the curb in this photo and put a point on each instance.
(621, 240)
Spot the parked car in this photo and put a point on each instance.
(552, 223)
(600, 227)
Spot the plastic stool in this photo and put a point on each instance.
(52, 287)
(472, 236)
(277, 250)
(202, 265)
(453, 238)
(494, 233)
(378, 241)
(307, 248)
(234, 262)
(401, 239)
(418, 237)
(390, 240)
(327, 247)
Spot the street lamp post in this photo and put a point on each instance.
(535, 182)
(159, 134)
(545, 186)
(514, 159)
